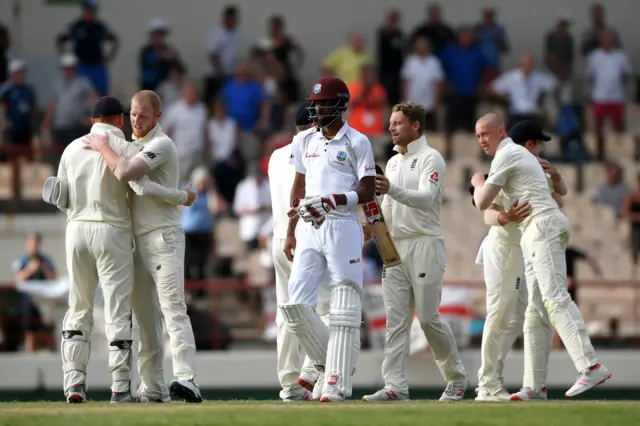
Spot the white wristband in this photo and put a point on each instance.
(352, 198)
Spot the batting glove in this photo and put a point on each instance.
(294, 208)
(317, 208)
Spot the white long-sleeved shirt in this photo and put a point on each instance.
(251, 204)
(416, 188)
(520, 176)
(151, 213)
(281, 176)
(95, 195)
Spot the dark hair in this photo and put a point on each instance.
(230, 11)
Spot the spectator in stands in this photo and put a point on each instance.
(18, 100)
(559, 50)
(223, 52)
(157, 57)
(493, 41)
(170, 90)
(68, 117)
(608, 70)
(5, 43)
(391, 49)
(345, 62)
(368, 108)
(246, 103)
(34, 265)
(437, 32)
(524, 89)
(198, 222)
(592, 37)
(252, 205)
(423, 80)
(89, 36)
(268, 71)
(223, 133)
(464, 67)
(284, 47)
(613, 191)
(631, 212)
(186, 123)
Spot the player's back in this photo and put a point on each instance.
(95, 194)
(150, 213)
(527, 181)
(281, 176)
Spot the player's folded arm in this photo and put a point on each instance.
(501, 169)
(428, 187)
(146, 187)
(484, 195)
(127, 170)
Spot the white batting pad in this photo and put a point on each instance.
(75, 350)
(538, 342)
(310, 331)
(345, 317)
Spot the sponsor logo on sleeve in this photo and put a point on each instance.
(150, 154)
(434, 178)
(369, 168)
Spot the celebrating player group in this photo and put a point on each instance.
(318, 259)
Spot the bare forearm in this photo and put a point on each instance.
(484, 195)
(560, 186)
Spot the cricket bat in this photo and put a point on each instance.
(380, 231)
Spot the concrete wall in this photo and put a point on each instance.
(318, 25)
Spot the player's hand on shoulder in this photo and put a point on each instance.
(518, 211)
(95, 141)
(191, 196)
(382, 184)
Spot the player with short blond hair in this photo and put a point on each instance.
(545, 234)
(160, 246)
(413, 185)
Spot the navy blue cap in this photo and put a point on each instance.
(107, 106)
(527, 130)
(303, 117)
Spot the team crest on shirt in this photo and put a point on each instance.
(317, 88)
(341, 156)
(434, 178)
(151, 155)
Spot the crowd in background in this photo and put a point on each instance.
(226, 125)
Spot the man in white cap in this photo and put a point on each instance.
(157, 57)
(68, 113)
(18, 99)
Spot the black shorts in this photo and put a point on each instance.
(431, 122)
(461, 113)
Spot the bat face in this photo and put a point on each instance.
(372, 212)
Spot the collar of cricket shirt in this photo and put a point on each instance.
(146, 138)
(103, 127)
(414, 146)
(341, 132)
(504, 142)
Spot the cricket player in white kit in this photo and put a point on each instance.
(335, 171)
(503, 264)
(99, 247)
(414, 187)
(297, 383)
(545, 235)
(160, 246)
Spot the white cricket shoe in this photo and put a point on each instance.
(500, 395)
(186, 390)
(386, 395)
(299, 397)
(127, 398)
(75, 394)
(528, 394)
(589, 379)
(454, 391)
(145, 398)
(332, 397)
(317, 388)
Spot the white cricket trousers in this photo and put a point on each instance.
(160, 281)
(543, 243)
(98, 252)
(416, 285)
(291, 357)
(506, 302)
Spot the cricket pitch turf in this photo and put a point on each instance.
(274, 413)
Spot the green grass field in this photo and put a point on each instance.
(415, 413)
